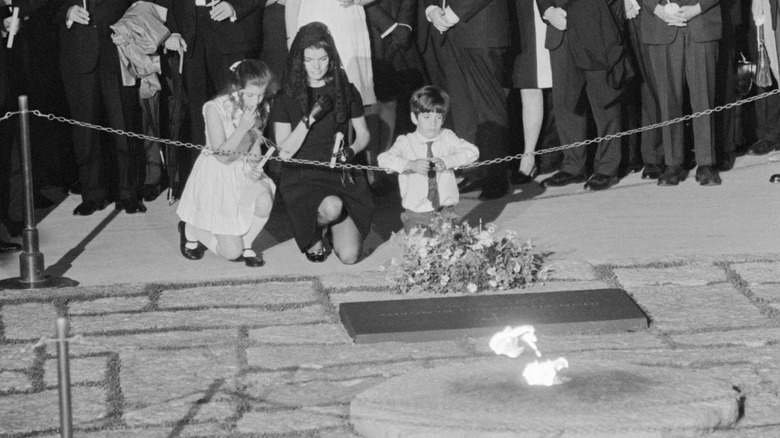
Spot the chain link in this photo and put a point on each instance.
(350, 166)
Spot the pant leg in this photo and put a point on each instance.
(651, 146)
(82, 91)
(667, 61)
(119, 102)
(570, 116)
(700, 63)
(150, 121)
(608, 121)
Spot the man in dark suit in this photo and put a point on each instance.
(574, 39)
(469, 39)
(683, 46)
(89, 63)
(211, 38)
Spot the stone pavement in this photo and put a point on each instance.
(173, 348)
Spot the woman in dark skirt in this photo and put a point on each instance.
(317, 103)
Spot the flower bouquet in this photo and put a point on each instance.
(460, 258)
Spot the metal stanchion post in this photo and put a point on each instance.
(63, 377)
(31, 265)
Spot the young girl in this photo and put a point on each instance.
(317, 103)
(227, 200)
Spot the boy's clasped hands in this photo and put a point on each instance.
(424, 165)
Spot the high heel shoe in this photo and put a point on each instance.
(250, 258)
(189, 253)
(521, 178)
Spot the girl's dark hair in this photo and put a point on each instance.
(316, 35)
(253, 72)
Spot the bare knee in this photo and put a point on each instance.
(348, 256)
(263, 205)
(330, 209)
(229, 247)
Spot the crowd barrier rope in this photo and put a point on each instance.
(508, 158)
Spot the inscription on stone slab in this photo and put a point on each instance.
(551, 313)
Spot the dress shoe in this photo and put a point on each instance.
(150, 192)
(470, 185)
(672, 176)
(652, 171)
(707, 176)
(494, 189)
(318, 256)
(562, 178)
(189, 253)
(763, 147)
(633, 168)
(88, 207)
(599, 181)
(9, 246)
(130, 206)
(250, 259)
(521, 178)
(775, 179)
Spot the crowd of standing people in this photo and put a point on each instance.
(486, 79)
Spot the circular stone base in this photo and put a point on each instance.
(491, 399)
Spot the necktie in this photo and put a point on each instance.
(433, 186)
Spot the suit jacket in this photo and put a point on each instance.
(554, 37)
(84, 48)
(483, 23)
(703, 28)
(242, 36)
(381, 15)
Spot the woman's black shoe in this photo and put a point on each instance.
(150, 192)
(521, 178)
(318, 256)
(251, 261)
(188, 253)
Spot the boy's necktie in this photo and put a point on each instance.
(433, 187)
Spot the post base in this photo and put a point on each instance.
(16, 283)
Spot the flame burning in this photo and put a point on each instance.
(507, 343)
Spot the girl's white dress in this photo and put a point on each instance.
(350, 33)
(219, 197)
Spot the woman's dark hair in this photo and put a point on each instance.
(253, 72)
(295, 82)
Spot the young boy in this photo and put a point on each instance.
(424, 161)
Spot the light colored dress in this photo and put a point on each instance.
(219, 197)
(350, 33)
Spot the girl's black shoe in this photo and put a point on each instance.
(188, 253)
(317, 256)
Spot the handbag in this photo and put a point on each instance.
(763, 75)
(746, 72)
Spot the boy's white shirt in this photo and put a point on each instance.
(452, 150)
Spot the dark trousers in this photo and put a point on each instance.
(651, 146)
(685, 61)
(768, 117)
(91, 96)
(571, 87)
(474, 81)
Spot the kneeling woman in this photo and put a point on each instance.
(316, 104)
(227, 201)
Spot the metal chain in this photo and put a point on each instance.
(9, 114)
(375, 168)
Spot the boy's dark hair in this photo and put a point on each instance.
(430, 99)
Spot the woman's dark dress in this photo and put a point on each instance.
(303, 187)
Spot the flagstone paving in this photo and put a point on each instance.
(270, 358)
